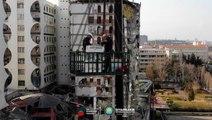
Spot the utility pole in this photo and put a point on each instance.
(104, 8)
(118, 48)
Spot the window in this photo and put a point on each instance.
(20, 5)
(99, 20)
(20, 27)
(20, 38)
(111, 29)
(91, 19)
(99, 30)
(21, 61)
(99, 9)
(98, 82)
(21, 71)
(21, 49)
(21, 83)
(110, 19)
(111, 9)
(20, 16)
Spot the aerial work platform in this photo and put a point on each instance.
(93, 63)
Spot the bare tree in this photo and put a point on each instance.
(160, 69)
(149, 71)
(195, 86)
(176, 69)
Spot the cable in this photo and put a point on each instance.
(89, 7)
(75, 39)
(81, 24)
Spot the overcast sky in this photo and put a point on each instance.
(53, 1)
(180, 19)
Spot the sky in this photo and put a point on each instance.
(176, 19)
(53, 1)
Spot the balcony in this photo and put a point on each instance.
(35, 55)
(36, 78)
(94, 63)
(9, 79)
(7, 8)
(36, 29)
(36, 17)
(49, 30)
(7, 56)
(35, 7)
(36, 38)
(35, 32)
(6, 29)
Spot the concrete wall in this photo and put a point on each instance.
(3, 74)
(63, 42)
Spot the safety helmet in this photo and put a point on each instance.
(90, 35)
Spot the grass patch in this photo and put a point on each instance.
(172, 97)
(192, 106)
(202, 102)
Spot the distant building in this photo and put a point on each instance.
(29, 35)
(196, 42)
(210, 52)
(200, 51)
(148, 55)
(143, 39)
(169, 42)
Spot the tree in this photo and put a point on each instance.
(187, 83)
(159, 70)
(149, 71)
(198, 62)
(195, 86)
(193, 59)
(152, 72)
(191, 95)
(176, 69)
(202, 79)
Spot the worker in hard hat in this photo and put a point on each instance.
(87, 41)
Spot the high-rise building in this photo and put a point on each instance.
(95, 87)
(29, 34)
(143, 39)
(63, 42)
(92, 88)
(3, 73)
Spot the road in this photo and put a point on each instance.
(180, 117)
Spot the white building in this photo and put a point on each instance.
(63, 42)
(3, 73)
(88, 18)
(198, 50)
(29, 32)
(148, 55)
